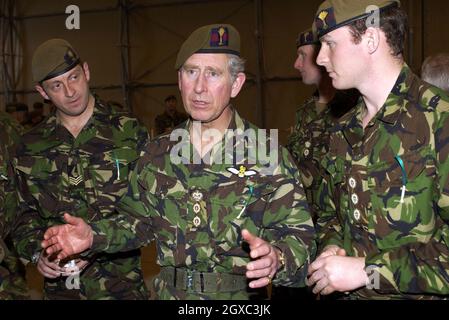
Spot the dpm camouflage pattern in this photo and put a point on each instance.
(12, 275)
(309, 142)
(402, 233)
(84, 176)
(195, 213)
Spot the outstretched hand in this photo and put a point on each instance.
(68, 239)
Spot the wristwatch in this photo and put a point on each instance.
(35, 257)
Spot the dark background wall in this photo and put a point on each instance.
(157, 29)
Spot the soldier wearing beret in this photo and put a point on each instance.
(76, 161)
(12, 273)
(309, 142)
(223, 229)
(171, 117)
(388, 163)
(19, 111)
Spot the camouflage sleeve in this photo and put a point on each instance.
(290, 225)
(295, 137)
(29, 227)
(419, 267)
(328, 227)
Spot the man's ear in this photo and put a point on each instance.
(41, 91)
(86, 71)
(238, 84)
(372, 36)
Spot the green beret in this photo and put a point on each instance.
(305, 38)
(214, 38)
(53, 58)
(333, 14)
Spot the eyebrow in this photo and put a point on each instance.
(190, 66)
(71, 73)
(209, 68)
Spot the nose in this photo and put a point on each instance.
(297, 64)
(69, 91)
(200, 83)
(322, 57)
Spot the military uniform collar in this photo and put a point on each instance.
(236, 124)
(236, 121)
(52, 125)
(351, 123)
(397, 98)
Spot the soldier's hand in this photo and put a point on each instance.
(49, 268)
(266, 261)
(332, 250)
(337, 273)
(68, 239)
(79, 266)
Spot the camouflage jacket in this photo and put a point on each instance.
(165, 121)
(309, 142)
(392, 189)
(10, 132)
(12, 277)
(195, 212)
(84, 176)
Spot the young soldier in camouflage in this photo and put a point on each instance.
(12, 274)
(216, 224)
(76, 161)
(388, 163)
(309, 142)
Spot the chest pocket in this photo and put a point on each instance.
(106, 174)
(402, 201)
(42, 184)
(165, 193)
(238, 205)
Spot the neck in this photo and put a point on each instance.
(74, 124)
(206, 135)
(378, 86)
(326, 91)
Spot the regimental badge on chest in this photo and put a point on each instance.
(197, 196)
(242, 172)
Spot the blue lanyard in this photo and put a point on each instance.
(404, 174)
(251, 192)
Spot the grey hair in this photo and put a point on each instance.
(435, 70)
(236, 65)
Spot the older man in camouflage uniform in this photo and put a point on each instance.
(12, 273)
(216, 223)
(388, 163)
(77, 161)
